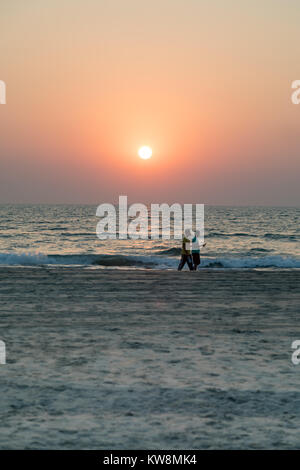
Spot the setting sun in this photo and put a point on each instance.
(145, 152)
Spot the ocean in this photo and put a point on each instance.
(236, 237)
(109, 347)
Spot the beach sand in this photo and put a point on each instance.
(140, 359)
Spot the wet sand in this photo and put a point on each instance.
(128, 359)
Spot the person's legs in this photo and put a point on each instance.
(196, 261)
(190, 262)
(183, 260)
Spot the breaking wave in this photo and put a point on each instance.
(147, 262)
(170, 252)
(39, 259)
(268, 236)
(252, 263)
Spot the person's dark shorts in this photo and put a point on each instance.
(196, 258)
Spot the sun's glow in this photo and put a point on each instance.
(145, 152)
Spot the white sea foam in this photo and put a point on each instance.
(156, 262)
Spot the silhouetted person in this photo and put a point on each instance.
(196, 250)
(186, 256)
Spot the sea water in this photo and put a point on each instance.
(236, 237)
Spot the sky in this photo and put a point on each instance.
(205, 83)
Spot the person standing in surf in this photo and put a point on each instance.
(186, 256)
(196, 250)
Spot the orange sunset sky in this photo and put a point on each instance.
(205, 83)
